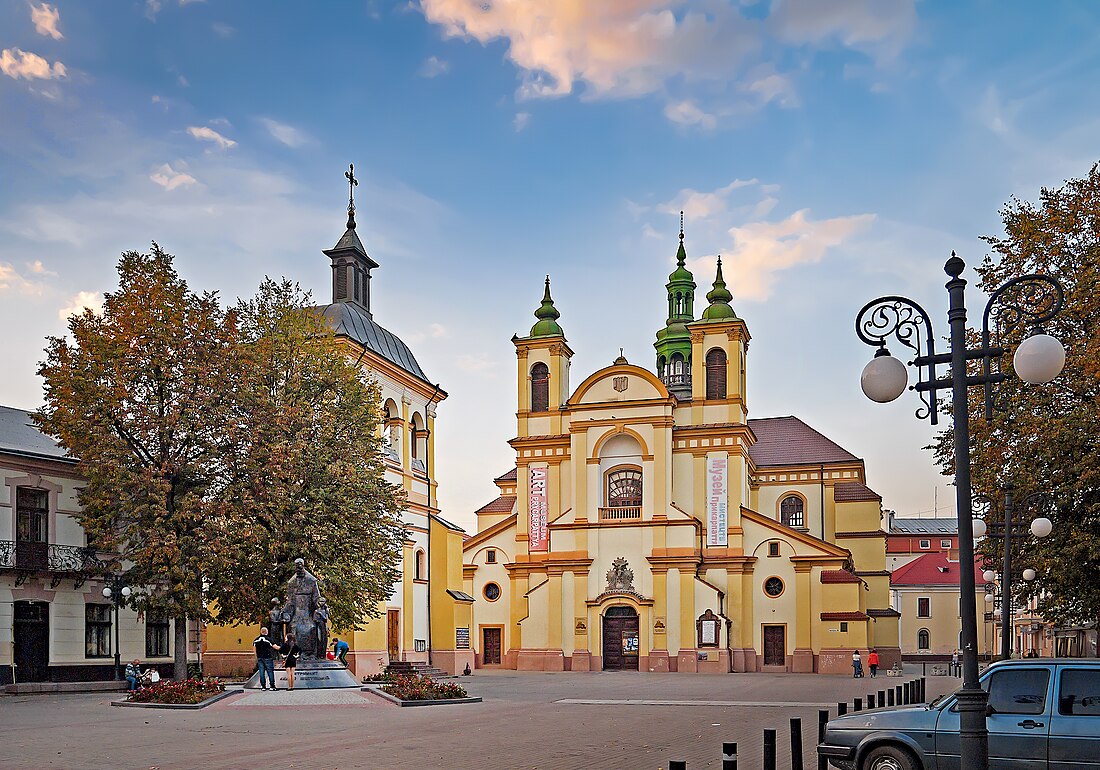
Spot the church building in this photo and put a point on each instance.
(650, 525)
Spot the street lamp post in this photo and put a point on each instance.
(1034, 298)
(118, 592)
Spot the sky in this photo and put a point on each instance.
(831, 151)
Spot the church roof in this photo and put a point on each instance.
(854, 492)
(839, 576)
(789, 441)
(502, 504)
(509, 476)
(349, 320)
(20, 436)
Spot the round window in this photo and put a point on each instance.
(492, 591)
(773, 587)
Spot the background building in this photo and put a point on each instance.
(649, 524)
(908, 539)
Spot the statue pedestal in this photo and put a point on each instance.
(311, 675)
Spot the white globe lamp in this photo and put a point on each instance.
(107, 593)
(989, 576)
(989, 598)
(126, 592)
(884, 378)
(1029, 574)
(1039, 359)
(979, 528)
(1041, 527)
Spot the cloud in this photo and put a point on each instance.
(38, 268)
(11, 279)
(92, 300)
(223, 30)
(768, 86)
(476, 364)
(45, 18)
(170, 179)
(16, 64)
(703, 205)
(152, 8)
(688, 113)
(520, 121)
(880, 27)
(434, 67)
(281, 132)
(207, 134)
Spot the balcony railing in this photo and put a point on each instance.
(623, 513)
(48, 557)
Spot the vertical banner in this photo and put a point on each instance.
(537, 533)
(717, 514)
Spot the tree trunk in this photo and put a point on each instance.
(179, 669)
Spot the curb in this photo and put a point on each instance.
(181, 706)
(409, 703)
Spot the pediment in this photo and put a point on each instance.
(617, 384)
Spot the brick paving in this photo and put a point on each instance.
(526, 722)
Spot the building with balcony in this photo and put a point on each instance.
(649, 524)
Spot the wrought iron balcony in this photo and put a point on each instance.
(63, 561)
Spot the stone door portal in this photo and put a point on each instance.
(620, 639)
(490, 646)
(31, 631)
(775, 645)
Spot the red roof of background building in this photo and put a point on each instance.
(844, 616)
(854, 492)
(789, 441)
(509, 476)
(502, 504)
(932, 569)
(838, 576)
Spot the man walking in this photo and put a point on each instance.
(265, 659)
(872, 662)
(341, 650)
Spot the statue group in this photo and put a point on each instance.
(304, 613)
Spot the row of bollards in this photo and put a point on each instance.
(910, 692)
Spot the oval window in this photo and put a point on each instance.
(773, 587)
(492, 591)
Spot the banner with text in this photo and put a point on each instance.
(717, 514)
(537, 533)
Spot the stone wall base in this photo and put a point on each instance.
(743, 659)
(540, 660)
(836, 660)
(229, 664)
(802, 662)
(366, 662)
(580, 660)
(453, 661)
(658, 662)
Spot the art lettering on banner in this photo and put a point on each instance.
(717, 513)
(537, 532)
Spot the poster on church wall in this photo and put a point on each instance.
(537, 533)
(717, 515)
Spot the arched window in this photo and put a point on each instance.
(540, 388)
(922, 640)
(716, 373)
(661, 367)
(676, 369)
(624, 488)
(419, 571)
(792, 511)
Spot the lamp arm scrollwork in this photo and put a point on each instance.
(908, 323)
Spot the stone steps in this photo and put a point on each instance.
(405, 667)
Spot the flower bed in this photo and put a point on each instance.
(382, 676)
(186, 692)
(415, 687)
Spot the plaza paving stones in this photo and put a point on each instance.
(521, 725)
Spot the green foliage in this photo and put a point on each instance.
(1044, 438)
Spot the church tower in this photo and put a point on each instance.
(674, 362)
(542, 371)
(351, 265)
(719, 348)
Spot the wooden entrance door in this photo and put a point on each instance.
(490, 646)
(620, 639)
(31, 631)
(775, 645)
(393, 633)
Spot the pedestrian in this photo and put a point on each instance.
(341, 649)
(291, 650)
(265, 658)
(955, 663)
(857, 665)
(133, 674)
(872, 662)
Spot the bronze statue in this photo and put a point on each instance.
(320, 622)
(302, 599)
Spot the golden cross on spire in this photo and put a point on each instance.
(352, 184)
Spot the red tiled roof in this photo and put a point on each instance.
(853, 492)
(502, 504)
(932, 569)
(889, 612)
(843, 616)
(509, 476)
(789, 441)
(838, 576)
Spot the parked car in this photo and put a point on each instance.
(1044, 715)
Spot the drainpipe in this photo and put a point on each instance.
(428, 482)
(821, 478)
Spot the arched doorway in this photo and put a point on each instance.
(620, 639)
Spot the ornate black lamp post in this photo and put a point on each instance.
(1038, 359)
(1006, 530)
(118, 592)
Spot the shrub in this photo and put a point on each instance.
(167, 691)
(415, 687)
(382, 676)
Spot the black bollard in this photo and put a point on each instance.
(870, 700)
(769, 749)
(897, 690)
(676, 764)
(857, 704)
(881, 698)
(923, 691)
(841, 709)
(890, 697)
(796, 743)
(822, 720)
(729, 756)
(905, 694)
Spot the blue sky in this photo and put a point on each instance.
(830, 151)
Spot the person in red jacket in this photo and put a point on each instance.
(872, 662)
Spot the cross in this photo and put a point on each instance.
(352, 184)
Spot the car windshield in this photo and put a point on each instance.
(940, 699)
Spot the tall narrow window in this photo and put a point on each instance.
(716, 373)
(923, 640)
(924, 607)
(624, 488)
(32, 518)
(540, 388)
(97, 630)
(156, 634)
(419, 572)
(792, 511)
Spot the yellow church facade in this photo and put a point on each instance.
(649, 524)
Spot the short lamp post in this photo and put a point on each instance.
(118, 592)
(1040, 527)
(1030, 299)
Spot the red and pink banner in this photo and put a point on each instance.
(717, 513)
(537, 533)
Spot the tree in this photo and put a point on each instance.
(1045, 438)
(133, 396)
(304, 464)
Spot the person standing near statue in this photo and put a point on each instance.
(265, 658)
(303, 597)
(291, 650)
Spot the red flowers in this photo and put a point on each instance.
(185, 691)
(415, 687)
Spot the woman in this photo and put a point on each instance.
(857, 665)
(291, 650)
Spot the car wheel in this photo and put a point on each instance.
(889, 758)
